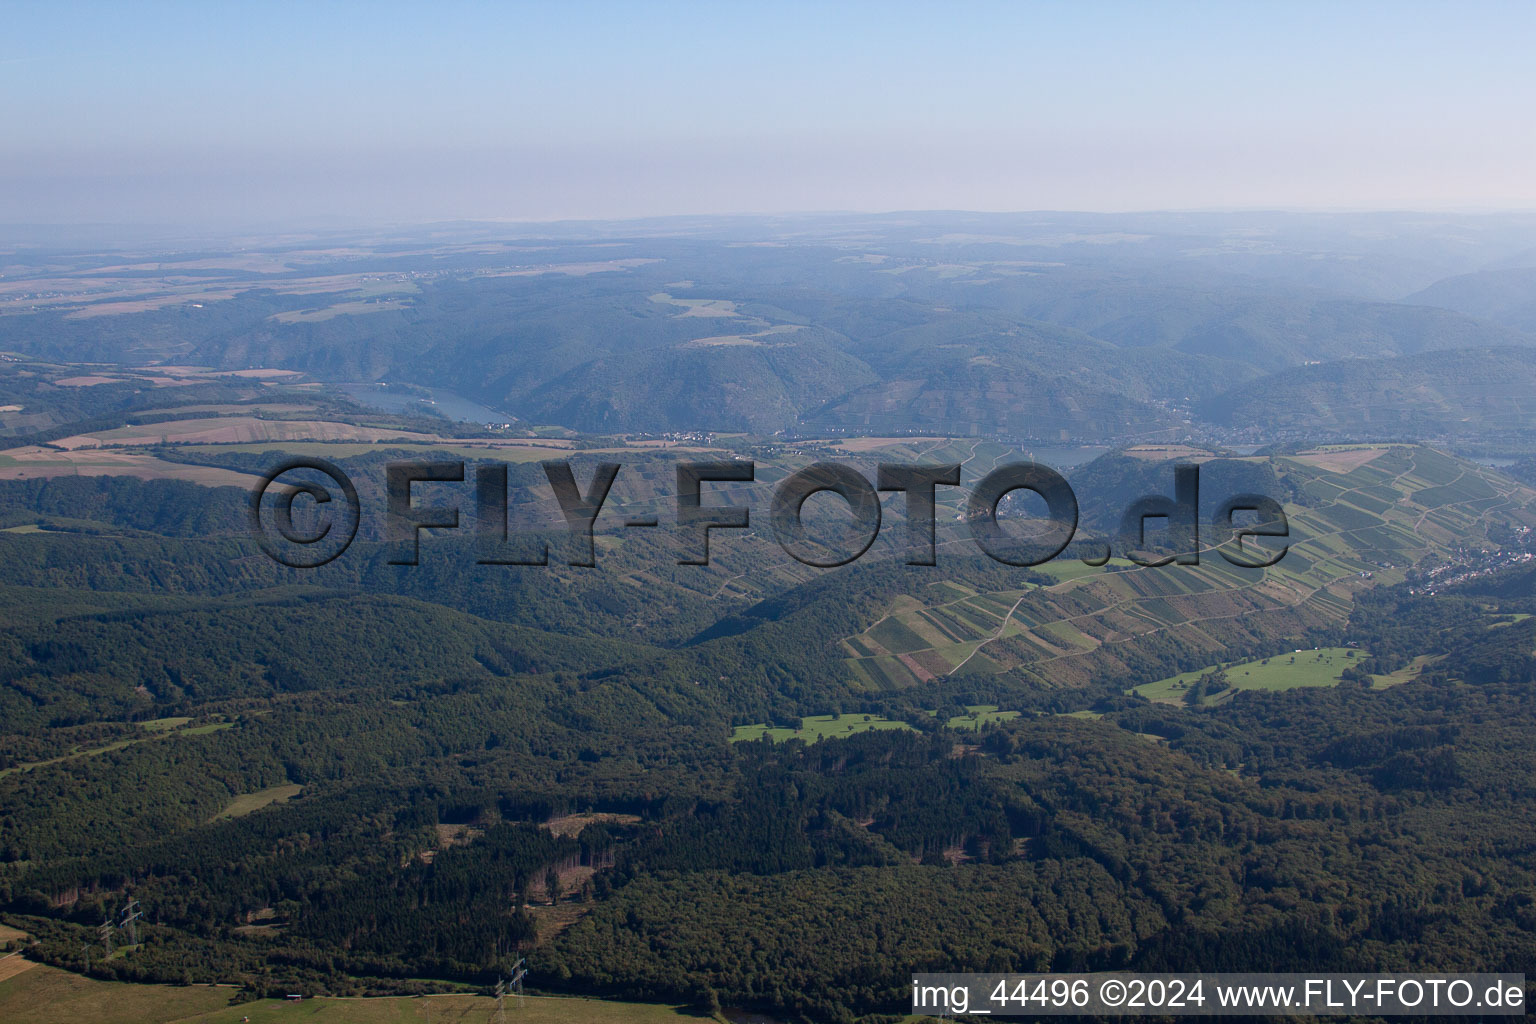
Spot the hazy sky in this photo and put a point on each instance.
(235, 114)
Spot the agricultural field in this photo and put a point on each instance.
(346, 450)
(1321, 667)
(47, 995)
(354, 779)
(235, 430)
(31, 463)
(1373, 512)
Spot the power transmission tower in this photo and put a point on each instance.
(131, 915)
(105, 931)
(501, 995)
(518, 971)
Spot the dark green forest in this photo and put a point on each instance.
(464, 767)
(759, 786)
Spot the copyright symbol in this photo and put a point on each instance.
(1112, 992)
(272, 515)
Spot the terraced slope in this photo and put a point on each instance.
(1367, 517)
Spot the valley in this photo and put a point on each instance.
(675, 790)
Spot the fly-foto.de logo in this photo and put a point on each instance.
(331, 523)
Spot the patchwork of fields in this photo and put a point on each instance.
(35, 462)
(1369, 516)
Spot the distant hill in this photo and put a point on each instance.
(1030, 326)
(1503, 296)
(731, 382)
(1461, 392)
(1260, 328)
(970, 376)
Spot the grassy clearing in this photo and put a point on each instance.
(156, 727)
(1063, 569)
(164, 724)
(203, 730)
(1322, 667)
(980, 715)
(91, 752)
(360, 307)
(572, 824)
(45, 995)
(817, 727)
(245, 803)
(837, 726)
(697, 307)
(1405, 674)
(1070, 568)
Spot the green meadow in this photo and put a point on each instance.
(819, 727)
(1322, 667)
(980, 715)
(816, 727)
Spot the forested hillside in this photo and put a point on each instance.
(758, 785)
(369, 776)
(1044, 327)
(1463, 394)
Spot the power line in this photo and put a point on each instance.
(130, 920)
(518, 972)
